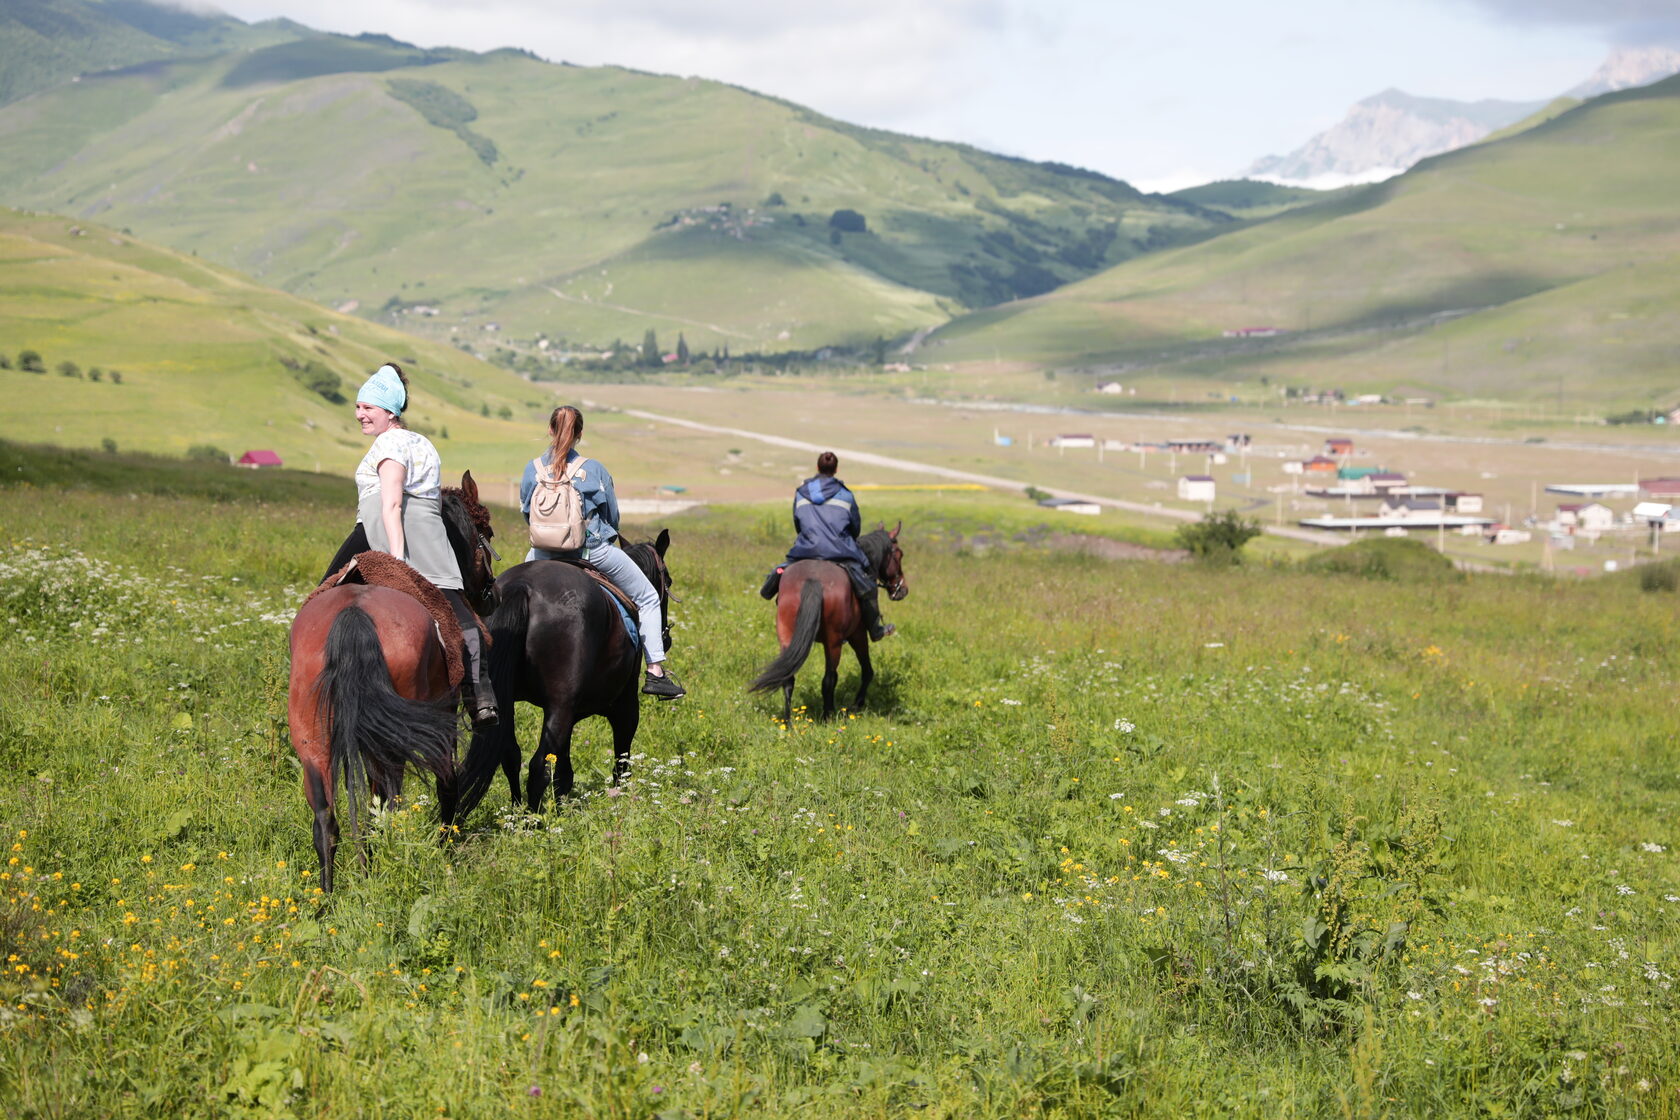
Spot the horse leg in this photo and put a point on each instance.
(787, 703)
(866, 671)
(831, 677)
(317, 788)
(625, 717)
(556, 740)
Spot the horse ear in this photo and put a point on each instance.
(662, 542)
(469, 488)
(893, 536)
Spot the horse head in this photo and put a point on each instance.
(468, 525)
(649, 556)
(887, 558)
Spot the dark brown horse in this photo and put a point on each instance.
(370, 692)
(560, 643)
(816, 600)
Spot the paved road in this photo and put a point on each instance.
(873, 459)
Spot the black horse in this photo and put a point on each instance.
(560, 643)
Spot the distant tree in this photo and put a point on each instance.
(68, 368)
(1218, 538)
(650, 350)
(109, 444)
(318, 379)
(207, 453)
(682, 349)
(30, 361)
(1037, 495)
(880, 352)
(5, 362)
(505, 412)
(96, 374)
(116, 377)
(484, 409)
(848, 221)
(775, 199)
(445, 433)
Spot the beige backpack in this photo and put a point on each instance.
(557, 509)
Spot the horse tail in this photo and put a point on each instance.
(779, 673)
(490, 745)
(374, 727)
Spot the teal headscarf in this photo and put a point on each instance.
(384, 390)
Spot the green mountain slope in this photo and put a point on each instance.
(450, 191)
(188, 353)
(1254, 198)
(47, 43)
(1539, 266)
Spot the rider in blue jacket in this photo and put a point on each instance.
(826, 517)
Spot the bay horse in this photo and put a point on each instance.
(560, 643)
(369, 692)
(816, 600)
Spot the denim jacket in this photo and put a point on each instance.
(594, 486)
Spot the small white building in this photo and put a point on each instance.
(1196, 488)
(1077, 439)
(1464, 503)
(1111, 387)
(1586, 517)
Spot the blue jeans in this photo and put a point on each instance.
(616, 566)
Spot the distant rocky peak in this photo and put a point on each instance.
(1628, 67)
(1386, 133)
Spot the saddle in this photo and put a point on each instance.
(607, 585)
(381, 569)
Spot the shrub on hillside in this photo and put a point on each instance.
(207, 453)
(1218, 538)
(29, 361)
(1391, 558)
(848, 221)
(68, 368)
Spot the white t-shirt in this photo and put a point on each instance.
(417, 455)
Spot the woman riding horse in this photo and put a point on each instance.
(397, 511)
(827, 520)
(561, 465)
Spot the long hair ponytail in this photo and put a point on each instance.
(565, 424)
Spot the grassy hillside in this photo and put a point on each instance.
(1541, 266)
(187, 353)
(47, 43)
(583, 204)
(1113, 839)
(1253, 198)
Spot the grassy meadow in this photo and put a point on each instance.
(1115, 839)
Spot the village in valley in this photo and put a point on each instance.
(1349, 486)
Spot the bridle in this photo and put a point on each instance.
(663, 583)
(897, 589)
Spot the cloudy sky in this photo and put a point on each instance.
(1162, 94)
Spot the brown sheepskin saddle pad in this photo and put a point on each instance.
(381, 569)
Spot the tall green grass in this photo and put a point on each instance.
(1114, 839)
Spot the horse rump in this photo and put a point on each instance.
(508, 625)
(806, 625)
(375, 729)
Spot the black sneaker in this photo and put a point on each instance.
(665, 687)
(772, 583)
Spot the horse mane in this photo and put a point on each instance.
(475, 512)
(875, 546)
